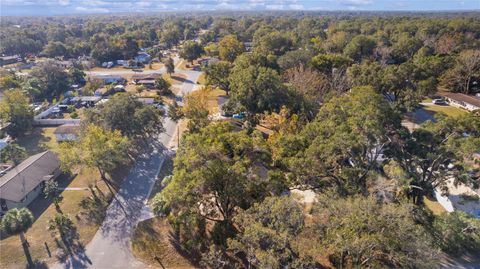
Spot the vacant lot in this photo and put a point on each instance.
(154, 243)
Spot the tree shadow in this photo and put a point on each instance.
(94, 207)
(26, 250)
(38, 265)
(71, 250)
(193, 258)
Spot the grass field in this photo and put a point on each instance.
(448, 110)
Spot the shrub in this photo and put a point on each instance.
(457, 232)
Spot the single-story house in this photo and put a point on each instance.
(146, 100)
(148, 83)
(468, 102)
(137, 77)
(208, 61)
(4, 60)
(86, 101)
(147, 80)
(143, 57)
(65, 63)
(23, 183)
(248, 45)
(109, 79)
(67, 132)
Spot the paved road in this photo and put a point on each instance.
(110, 247)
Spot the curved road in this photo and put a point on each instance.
(110, 247)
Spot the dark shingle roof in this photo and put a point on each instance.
(23, 178)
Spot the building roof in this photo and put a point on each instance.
(146, 81)
(86, 99)
(145, 76)
(106, 76)
(12, 57)
(470, 99)
(146, 100)
(23, 178)
(67, 129)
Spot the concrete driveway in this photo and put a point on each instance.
(110, 247)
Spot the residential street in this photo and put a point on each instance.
(110, 247)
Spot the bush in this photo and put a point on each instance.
(457, 232)
(74, 115)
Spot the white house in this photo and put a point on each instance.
(23, 183)
(143, 57)
(468, 102)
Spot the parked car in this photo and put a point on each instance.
(239, 116)
(226, 113)
(438, 101)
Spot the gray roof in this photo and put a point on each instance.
(23, 178)
(86, 99)
(460, 97)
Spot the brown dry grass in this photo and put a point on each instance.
(434, 206)
(154, 244)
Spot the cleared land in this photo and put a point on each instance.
(154, 243)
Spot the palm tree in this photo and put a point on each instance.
(18, 221)
(63, 224)
(51, 190)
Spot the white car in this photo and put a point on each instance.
(438, 101)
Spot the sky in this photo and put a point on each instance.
(66, 7)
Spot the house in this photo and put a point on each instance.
(23, 183)
(138, 77)
(468, 102)
(248, 46)
(146, 100)
(84, 101)
(67, 132)
(109, 79)
(147, 80)
(143, 57)
(4, 60)
(148, 83)
(65, 64)
(206, 62)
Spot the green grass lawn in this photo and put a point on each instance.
(448, 110)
